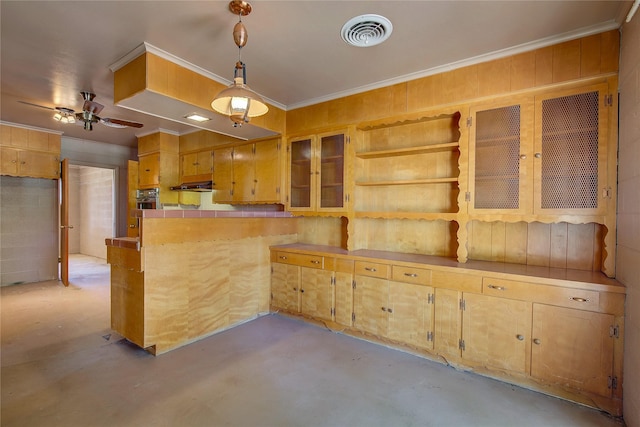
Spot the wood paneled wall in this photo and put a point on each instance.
(561, 245)
(572, 60)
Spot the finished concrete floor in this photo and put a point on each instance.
(63, 366)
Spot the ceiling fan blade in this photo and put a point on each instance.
(37, 105)
(92, 106)
(117, 123)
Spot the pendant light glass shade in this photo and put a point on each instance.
(238, 101)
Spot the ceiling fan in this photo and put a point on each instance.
(89, 114)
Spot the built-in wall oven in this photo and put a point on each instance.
(148, 199)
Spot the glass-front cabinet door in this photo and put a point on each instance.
(300, 178)
(317, 173)
(570, 153)
(331, 179)
(499, 160)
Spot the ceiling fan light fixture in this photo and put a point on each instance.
(64, 115)
(237, 101)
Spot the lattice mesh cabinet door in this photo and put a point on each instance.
(497, 158)
(569, 157)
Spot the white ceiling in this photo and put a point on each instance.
(52, 50)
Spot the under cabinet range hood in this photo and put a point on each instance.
(194, 186)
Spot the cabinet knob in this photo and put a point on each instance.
(302, 291)
(536, 341)
(314, 261)
(282, 257)
(520, 337)
(147, 170)
(523, 156)
(132, 226)
(537, 155)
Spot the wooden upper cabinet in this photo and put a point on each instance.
(149, 170)
(248, 173)
(542, 155)
(500, 158)
(317, 172)
(197, 166)
(267, 171)
(29, 153)
(244, 175)
(223, 175)
(570, 151)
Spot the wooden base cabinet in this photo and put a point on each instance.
(400, 310)
(496, 332)
(559, 332)
(314, 286)
(574, 348)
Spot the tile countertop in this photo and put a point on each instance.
(194, 213)
(123, 242)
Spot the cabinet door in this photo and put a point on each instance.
(343, 310)
(38, 164)
(500, 162)
(410, 314)
(223, 175)
(133, 229)
(8, 161)
(285, 286)
(243, 173)
(496, 332)
(188, 166)
(267, 171)
(330, 172)
(316, 291)
(370, 305)
(149, 170)
(205, 163)
(447, 327)
(300, 174)
(572, 348)
(570, 157)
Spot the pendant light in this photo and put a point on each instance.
(238, 101)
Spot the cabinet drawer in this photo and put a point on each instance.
(418, 276)
(372, 269)
(313, 261)
(553, 295)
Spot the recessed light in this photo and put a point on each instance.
(197, 117)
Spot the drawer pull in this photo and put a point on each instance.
(282, 257)
(388, 310)
(384, 309)
(411, 274)
(371, 269)
(536, 341)
(314, 261)
(520, 337)
(497, 288)
(578, 299)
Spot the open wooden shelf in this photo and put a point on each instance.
(407, 182)
(422, 149)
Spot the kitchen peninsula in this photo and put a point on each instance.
(192, 273)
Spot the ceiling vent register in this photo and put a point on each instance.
(366, 30)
